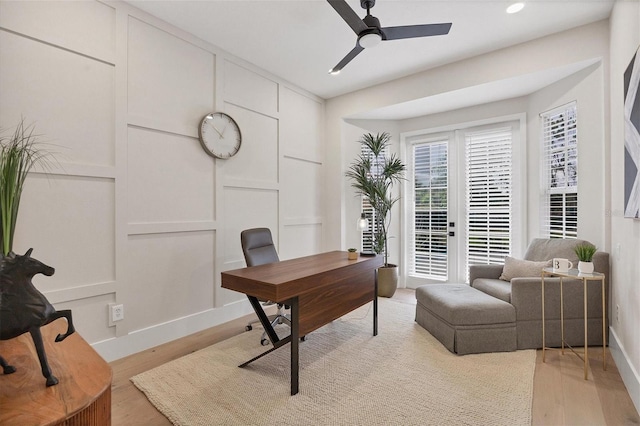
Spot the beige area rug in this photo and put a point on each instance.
(404, 376)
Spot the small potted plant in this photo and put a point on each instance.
(353, 254)
(585, 254)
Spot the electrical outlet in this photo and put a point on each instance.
(618, 314)
(116, 313)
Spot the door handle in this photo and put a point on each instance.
(452, 234)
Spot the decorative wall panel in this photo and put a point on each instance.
(301, 189)
(247, 208)
(170, 275)
(257, 159)
(301, 130)
(70, 223)
(87, 27)
(86, 312)
(171, 179)
(300, 240)
(250, 90)
(170, 81)
(69, 97)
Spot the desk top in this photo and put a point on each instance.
(573, 273)
(280, 281)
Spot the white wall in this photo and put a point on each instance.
(137, 213)
(625, 233)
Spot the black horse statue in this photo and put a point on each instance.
(23, 308)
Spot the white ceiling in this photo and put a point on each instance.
(300, 40)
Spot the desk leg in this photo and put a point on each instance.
(561, 316)
(295, 344)
(264, 320)
(586, 341)
(604, 335)
(375, 303)
(543, 336)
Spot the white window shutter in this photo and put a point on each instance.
(559, 218)
(488, 161)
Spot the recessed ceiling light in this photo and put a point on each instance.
(515, 7)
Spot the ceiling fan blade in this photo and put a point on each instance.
(354, 52)
(349, 16)
(411, 31)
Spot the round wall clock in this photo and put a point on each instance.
(220, 135)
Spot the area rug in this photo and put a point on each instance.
(403, 376)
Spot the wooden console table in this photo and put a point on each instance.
(83, 396)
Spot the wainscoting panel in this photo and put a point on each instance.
(251, 90)
(257, 159)
(69, 222)
(69, 98)
(300, 240)
(301, 188)
(301, 131)
(171, 276)
(86, 312)
(86, 27)
(171, 179)
(170, 81)
(247, 208)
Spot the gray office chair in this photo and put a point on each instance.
(258, 249)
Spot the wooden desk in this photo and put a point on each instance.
(83, 396)
(319, 289)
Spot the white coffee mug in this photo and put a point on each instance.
(562, 265)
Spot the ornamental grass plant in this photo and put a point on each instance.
(18, 154)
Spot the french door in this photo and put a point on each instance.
(431, 200)
(460, 206)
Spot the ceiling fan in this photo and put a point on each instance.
(370, 33)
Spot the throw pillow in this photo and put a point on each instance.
(515, 268)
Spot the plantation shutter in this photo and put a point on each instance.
(428, 256)
(488, 162)
(559, 218)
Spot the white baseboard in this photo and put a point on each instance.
(140, 340)
(627, 371)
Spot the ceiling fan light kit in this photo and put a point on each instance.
(370, 33)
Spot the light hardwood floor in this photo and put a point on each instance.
(561, 396)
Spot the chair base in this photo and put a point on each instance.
(279, 318)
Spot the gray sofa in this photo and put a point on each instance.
(497, 315)
(525, 296)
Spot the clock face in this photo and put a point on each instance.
(220, 135)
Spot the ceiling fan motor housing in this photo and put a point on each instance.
(367, 4)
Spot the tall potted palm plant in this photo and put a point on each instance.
(373, 175)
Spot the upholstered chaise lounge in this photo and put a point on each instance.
(524, 295)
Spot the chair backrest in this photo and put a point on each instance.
(258, 247)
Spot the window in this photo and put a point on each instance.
(488, 200)
(559, 216)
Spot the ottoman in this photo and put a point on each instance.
(466, 320)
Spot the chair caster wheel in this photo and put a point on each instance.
(264, 342)
(248, 328)
(303, 338)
